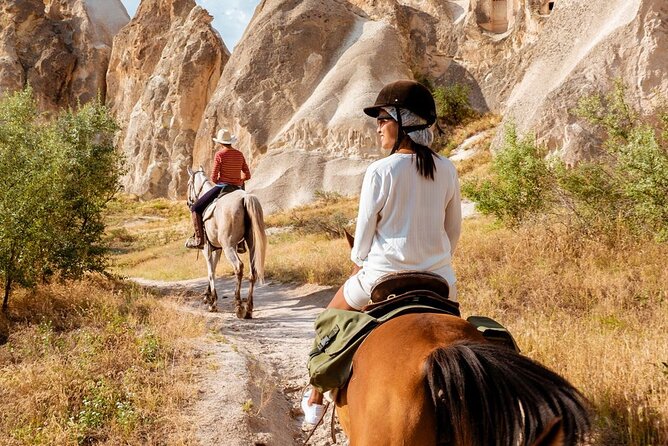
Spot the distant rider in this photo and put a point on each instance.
(230, 171)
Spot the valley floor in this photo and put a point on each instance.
(252, 372)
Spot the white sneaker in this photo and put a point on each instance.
(313, 412)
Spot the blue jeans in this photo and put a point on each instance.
(206, 199)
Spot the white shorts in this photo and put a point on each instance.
(357, 293)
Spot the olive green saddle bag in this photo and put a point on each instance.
(340, 332)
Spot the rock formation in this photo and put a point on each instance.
(61, 48)
(164, 68)
(294, 88)
(583, 48)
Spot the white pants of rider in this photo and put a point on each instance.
(357, 295)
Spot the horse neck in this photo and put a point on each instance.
(207, 186)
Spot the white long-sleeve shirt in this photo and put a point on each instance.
(407, 221)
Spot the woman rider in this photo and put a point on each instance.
(410, 208)
(230, 171)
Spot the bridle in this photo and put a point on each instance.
(192, 195)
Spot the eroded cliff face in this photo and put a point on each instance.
(294, 89)
(164, 68)
(61, 48)
(584, 47)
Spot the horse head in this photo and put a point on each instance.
(196, 181)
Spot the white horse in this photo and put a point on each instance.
(236, 216)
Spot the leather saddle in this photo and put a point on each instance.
(403, 288)
(208, 211)
(425, 292)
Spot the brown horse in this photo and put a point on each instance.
(433, 379)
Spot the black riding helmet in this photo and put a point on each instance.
(410, 95)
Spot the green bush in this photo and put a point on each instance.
(520, 185)
(631, 180)
(625, 187)
(453, 105)
(57, 177)
(454, 111)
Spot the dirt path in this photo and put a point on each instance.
(251, 388)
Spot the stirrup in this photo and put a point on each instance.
(192, 243)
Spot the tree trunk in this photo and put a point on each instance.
(8, 287)
(8, 280)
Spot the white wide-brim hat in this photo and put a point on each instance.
(225, 137)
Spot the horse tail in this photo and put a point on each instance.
(490, 395)
(258, 247)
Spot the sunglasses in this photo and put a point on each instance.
(382, 120)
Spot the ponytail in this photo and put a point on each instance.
(425, 160)
(424, 155)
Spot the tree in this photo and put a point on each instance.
(56, 177)
(520, 184)
(625, 187)
(453, 105)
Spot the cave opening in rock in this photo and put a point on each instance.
(546, 7)
(496, 16)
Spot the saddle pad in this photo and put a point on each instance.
(493, 331)
(208, 212)
(339, 333)
(413, 297)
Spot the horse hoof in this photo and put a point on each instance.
(248, 315)
(213, 308)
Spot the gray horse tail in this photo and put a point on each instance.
(258, 247)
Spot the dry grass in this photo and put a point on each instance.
(458, 135)
(596, 315)
(477, 165)
(311, 252)
(308, 258)
(327, 211)
(95, 362)
(292, 257)
(170, 262)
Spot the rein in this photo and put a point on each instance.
(191, 189)
(320, 420)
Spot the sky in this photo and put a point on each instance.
(230, 17)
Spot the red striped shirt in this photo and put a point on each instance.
(229, 166)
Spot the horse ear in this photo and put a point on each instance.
(553, 435)
(350, 238)
(190, 171)
(201, 168)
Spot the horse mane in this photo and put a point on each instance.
(488, 395)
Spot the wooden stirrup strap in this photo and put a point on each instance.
(332, 424)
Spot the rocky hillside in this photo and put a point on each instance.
(299, 113)
(295, 85)
(583, 48)
(164, 69)
(60, 47)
